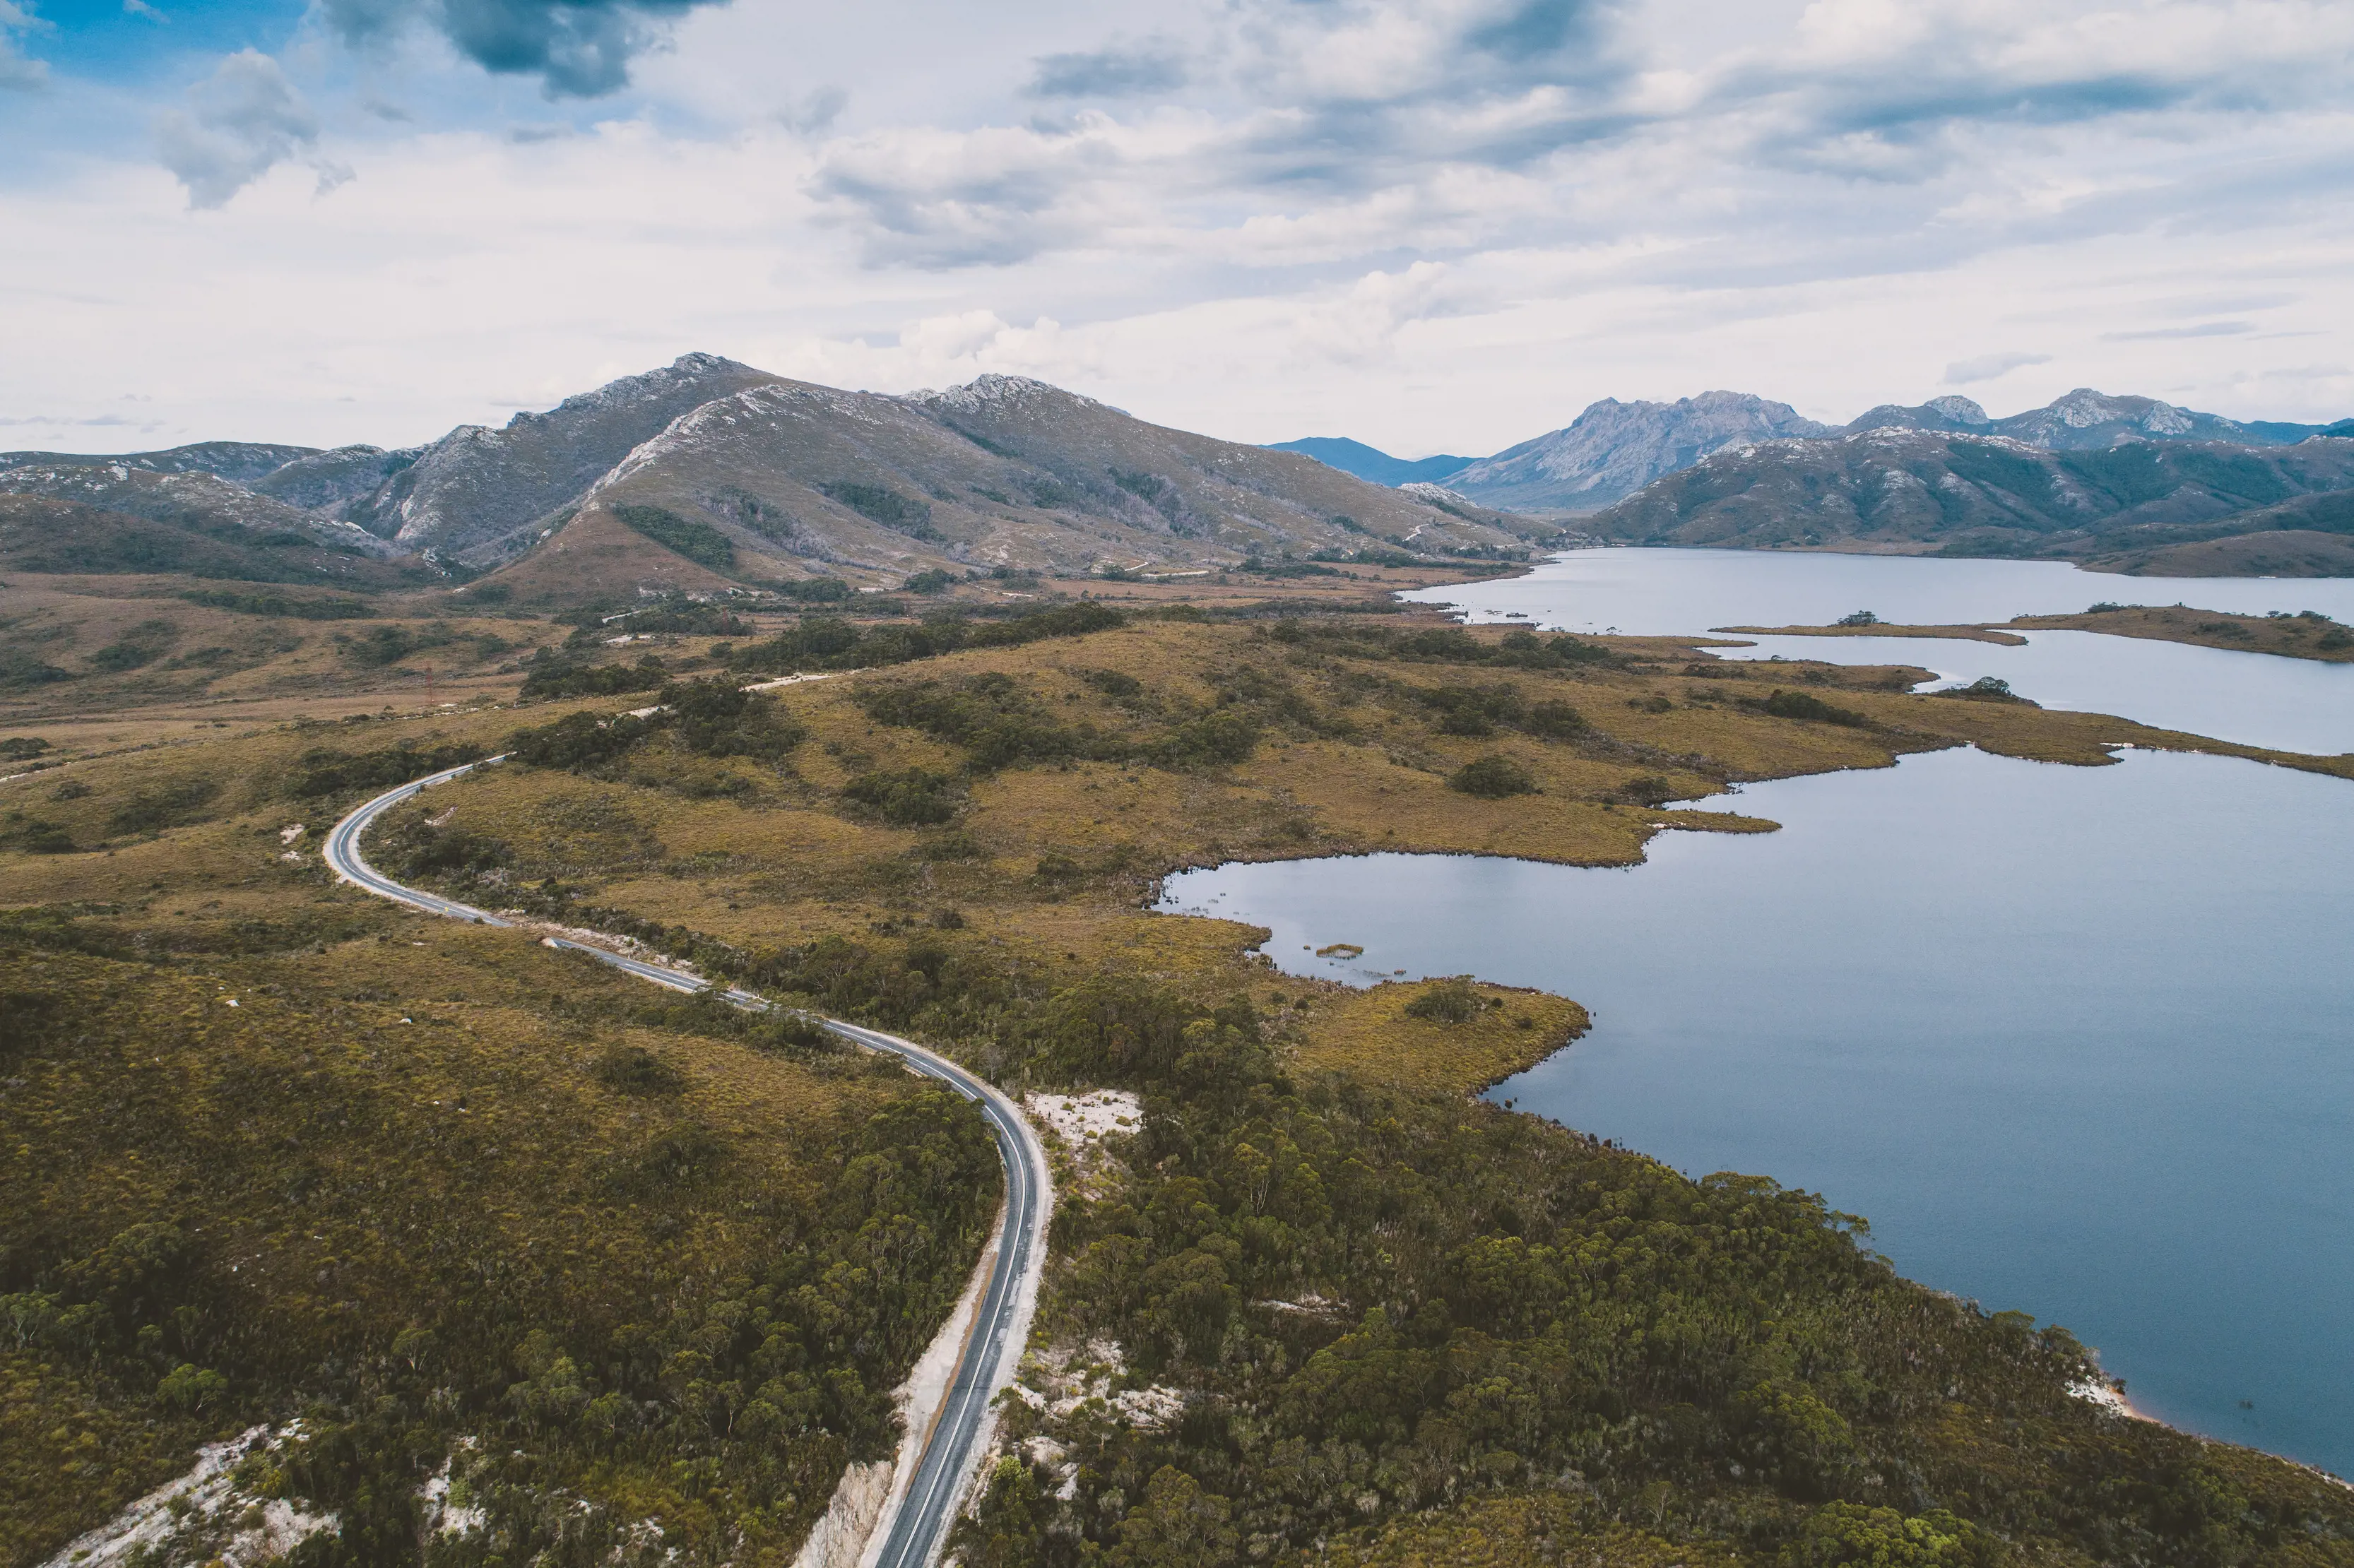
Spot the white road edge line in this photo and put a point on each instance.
(914, 1526)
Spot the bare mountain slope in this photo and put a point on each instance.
(240, 463)
(190, 499)
(332, 480)
(1198, 488)
(1615, 448)
(2084, 420)
(40, 534)
(1923, 492)
(785, 478)
(474, 495)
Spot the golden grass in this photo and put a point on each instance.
(1973, 634)
(2287, 636)
(1368, 1035)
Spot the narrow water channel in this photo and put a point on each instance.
(2078, 1041)
(2257, 699)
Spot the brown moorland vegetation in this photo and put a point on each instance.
(1400, 1325)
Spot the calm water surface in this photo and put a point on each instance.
(2076, 1040)
(2294, 705)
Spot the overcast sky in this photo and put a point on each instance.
(1434, 224)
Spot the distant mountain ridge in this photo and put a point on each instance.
(1371, 462)
(2140, 506)
(1613, 450)
(706, 473)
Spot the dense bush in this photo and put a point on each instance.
(710, 718)
(912, 797)
(714, 717)
(552, 675)
(1452, 1000)
(1519, 648)
(1802, 705)
(823, 642)
(299, 608)
(579, 741)
(813, 591)
(992, 716)
(1492, 778)
(878, 503)
(324, 770)
(696, 540)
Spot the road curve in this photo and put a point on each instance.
(914, 1530)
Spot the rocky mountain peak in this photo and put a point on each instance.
(1614, 448)
(992, 392)
(1962, 410)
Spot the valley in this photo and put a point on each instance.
(1313, 1300)
(958, 846)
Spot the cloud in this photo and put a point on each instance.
(141, 8)
(1990, 366)
(1109, 73)
(241, 122)
(989, 197)
(1362, 325)
(102, 421)
(2205, 329)
(17, 71)
(578, 48)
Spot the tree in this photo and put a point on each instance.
(1178, 1525)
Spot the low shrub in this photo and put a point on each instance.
(1450, 1001)
(910, 797)
(1801, 705)
(634, 1070)
(1492, 778)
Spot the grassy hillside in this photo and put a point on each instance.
(1317, 1306)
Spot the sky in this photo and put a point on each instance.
(1432, 225)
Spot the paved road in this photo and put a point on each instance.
(915, 1532)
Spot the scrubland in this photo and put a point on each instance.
(628, 1263)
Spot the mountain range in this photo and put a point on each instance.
(1367, 462)
(706, 473)
(1613, 450)
(2175, 507)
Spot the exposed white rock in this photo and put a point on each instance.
(202, 1513)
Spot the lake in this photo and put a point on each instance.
(2078, 1041)
(2074, 1040)
(2257, 699)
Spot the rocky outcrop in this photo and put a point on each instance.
(2084, 420)
(1615, 448)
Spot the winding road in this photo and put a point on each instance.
(915, 1525)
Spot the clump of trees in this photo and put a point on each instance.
(1492, 778)
(1451, 1001)
(710, 718)
(1806, 706)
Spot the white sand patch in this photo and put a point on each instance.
(1083, 1127)
(797, 680)
(205, 1509)
(1082, 1119)
(444, 1518)
(1075, 1379)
